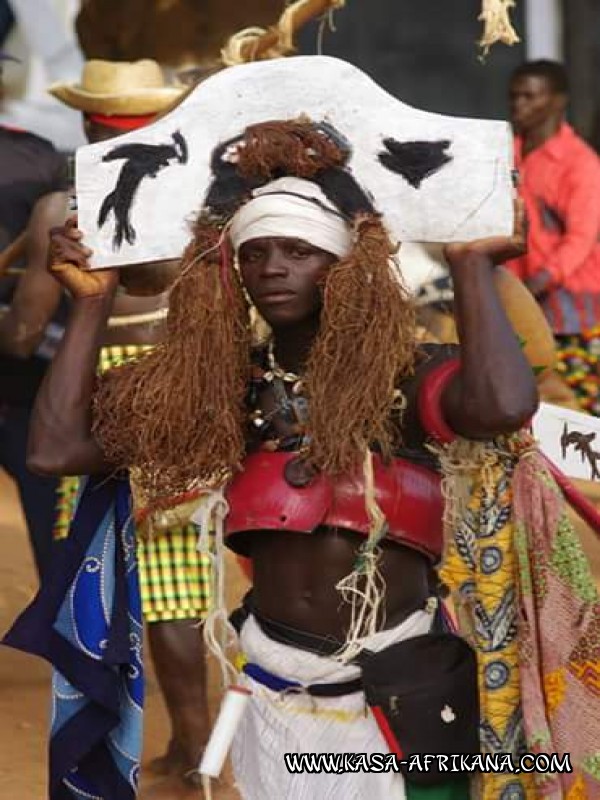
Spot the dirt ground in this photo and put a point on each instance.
(24, 696)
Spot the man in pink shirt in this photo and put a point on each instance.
(560, 184)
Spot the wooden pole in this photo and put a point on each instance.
(279, 37)
(13, 252)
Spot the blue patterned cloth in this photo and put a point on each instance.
(86, 621)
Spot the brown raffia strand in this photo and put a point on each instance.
(177, 413)
(365, 346)
(495, 15)
(294, 147)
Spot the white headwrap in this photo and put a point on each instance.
(294, 208)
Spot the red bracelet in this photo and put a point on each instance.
(429, 401)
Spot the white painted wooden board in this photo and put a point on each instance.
(571, 440)
(467, 198)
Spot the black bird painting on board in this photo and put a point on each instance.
(141, 161)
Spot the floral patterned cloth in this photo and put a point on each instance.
(527, 603)
(480, 569)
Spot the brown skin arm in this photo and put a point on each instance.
(37, 295)
(495, 392)
(60, 439)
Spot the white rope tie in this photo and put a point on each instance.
(364, 588)
(219, 633)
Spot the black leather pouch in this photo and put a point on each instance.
(423, 693)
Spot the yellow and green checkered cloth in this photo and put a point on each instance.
(175, 578)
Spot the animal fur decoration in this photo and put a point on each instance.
(495, 15)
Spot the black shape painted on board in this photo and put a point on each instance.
(141, 161)
(581, 443)
(414, 161)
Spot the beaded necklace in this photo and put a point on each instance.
(290, 408)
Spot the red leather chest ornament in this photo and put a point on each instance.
(409, 495)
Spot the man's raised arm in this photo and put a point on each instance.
(494, 391)
(61, 440)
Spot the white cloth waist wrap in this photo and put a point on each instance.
(292, 208)
(275, 724)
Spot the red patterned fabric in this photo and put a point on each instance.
(559, 634)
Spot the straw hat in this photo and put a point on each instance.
(119, 88)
